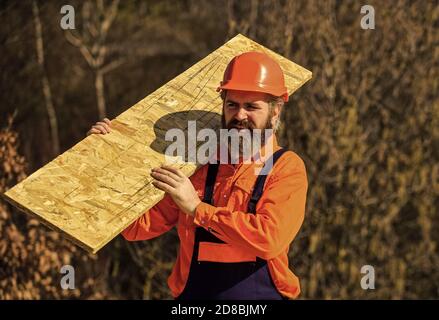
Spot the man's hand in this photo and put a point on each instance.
(178, 186)
(101, 127)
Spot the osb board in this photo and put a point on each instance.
(97, 188)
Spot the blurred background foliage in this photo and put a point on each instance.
(367, 127)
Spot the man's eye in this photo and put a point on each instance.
(231, 105)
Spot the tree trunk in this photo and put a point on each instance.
(100, 94)
(53, 122)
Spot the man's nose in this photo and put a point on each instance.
(241, 114)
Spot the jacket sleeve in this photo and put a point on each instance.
(154, 222)
(279, 213)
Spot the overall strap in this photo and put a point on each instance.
(260, 181)
(212, 172)
(200, 233)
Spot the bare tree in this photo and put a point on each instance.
(246, 26)
(93, 46)
(289, 10)
(39, 45)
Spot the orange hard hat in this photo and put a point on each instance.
(254, 71)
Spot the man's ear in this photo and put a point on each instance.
(275, 116)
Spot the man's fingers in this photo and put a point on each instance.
(162, 186)
(164, 178)
(173, 170)
(100, 128)
(167, 172)
(93, 131)
(106, 126)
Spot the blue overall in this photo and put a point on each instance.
(229, 281)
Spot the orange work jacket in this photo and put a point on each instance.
(266, 234)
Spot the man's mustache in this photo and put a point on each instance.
(244, 124)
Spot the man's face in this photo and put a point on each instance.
(246, 110)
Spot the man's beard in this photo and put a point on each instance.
(245, 124)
